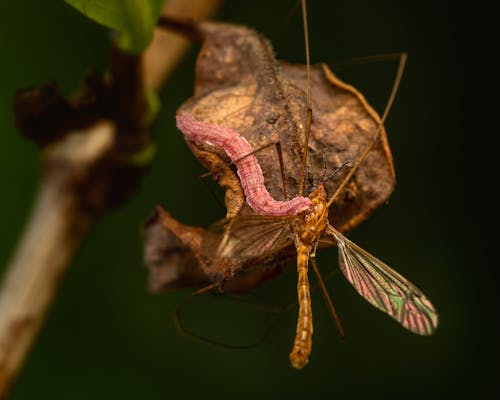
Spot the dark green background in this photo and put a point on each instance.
(106, 337)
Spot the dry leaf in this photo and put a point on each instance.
(175, 258)
(240, 85)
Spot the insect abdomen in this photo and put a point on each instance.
(303, 338)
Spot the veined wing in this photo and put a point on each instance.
(254, 236)
(385, 288)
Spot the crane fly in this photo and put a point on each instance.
(380, 285)
(273, 229)
(252, 236)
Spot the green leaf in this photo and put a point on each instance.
(154, 105)
(135, 20)
(144, 156)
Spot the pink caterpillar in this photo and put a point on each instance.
(240, 152)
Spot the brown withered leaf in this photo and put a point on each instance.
(225, 176)
(44, 115)
(239, 84)
(174, 256)
(171, 263)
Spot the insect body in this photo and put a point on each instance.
(307, 230)
(302, 223)
(380, 285)
(299, 224)
(249, 171)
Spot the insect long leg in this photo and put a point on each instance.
(376, 136)
(303, 338)
(219, 169)
(211, 190)
(183, 330)
(327, 298)
(357, 61)
(309, 101)
(207, 288)
(282, 168)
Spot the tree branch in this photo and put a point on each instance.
(55, 229)
(159, 63)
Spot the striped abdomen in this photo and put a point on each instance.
(241, 153)
(303, 338)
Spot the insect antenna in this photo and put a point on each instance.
(324, 179)
(376, 136)
(309, 101)
(227, 164)
(337, 170)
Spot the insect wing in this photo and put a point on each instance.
(384, 288)
(255, 236)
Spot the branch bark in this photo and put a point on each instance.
(53, 233)
(158, 62)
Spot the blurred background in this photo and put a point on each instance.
(107, 337)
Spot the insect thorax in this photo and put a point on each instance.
(313, 221)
